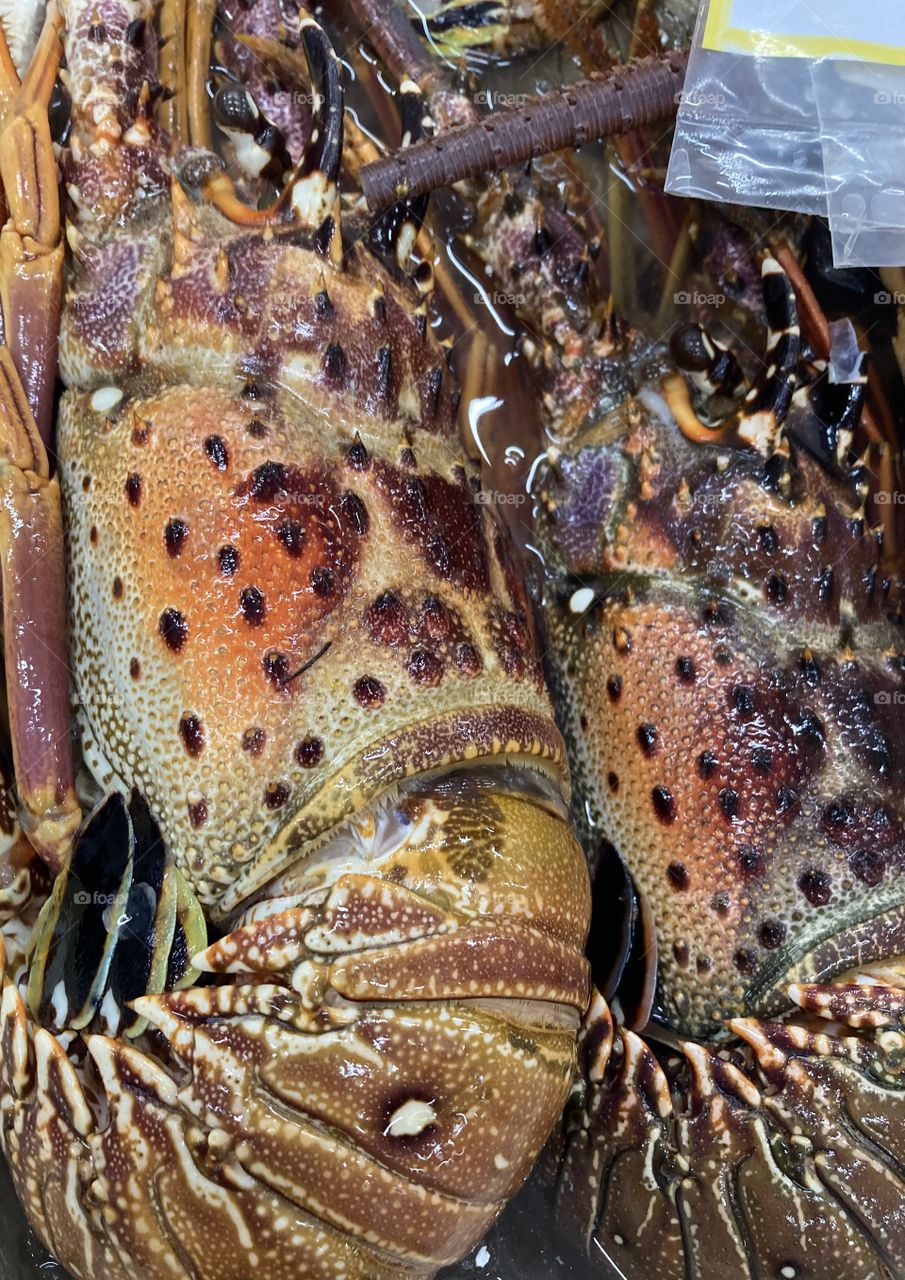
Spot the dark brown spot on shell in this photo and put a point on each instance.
(407, 459)
(355, 511)
(468, 660)
(357, 456)
(276, 666)
(175, 535)
(677, 874)
(746, 959)
(133, 488)
(750, 860)
(323, 583)
(309, 752)
(647, 738)
(387, 620)
(117, 588)
(681, 953)
(772, 934)
(768, 539)
(743, 700)
(335, 363)
(786, 799)
(728, 799)
(816, 886)
(174, 629)
(256, 429)
(368, 691)
(425, 667)
(135, 669)
(612, 781)
(92, 535)
(762, 759)
(291, 534)
(777, 588)
(707, 763)
(198, 813)
(276, 794)
(253, 606)
(86, 483)
(217, 452)
(191, 731)
(437, 622)
(685, 670)
(868, 865)
(253, 740)
(664, 804)
(228, 560)
(268, 480)
(614, 688)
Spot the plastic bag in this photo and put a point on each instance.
(812, 123)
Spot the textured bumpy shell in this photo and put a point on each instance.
(732, 688)
(292, 496)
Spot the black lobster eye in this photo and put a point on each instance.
(234, 108)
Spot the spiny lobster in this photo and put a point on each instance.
(300, 994)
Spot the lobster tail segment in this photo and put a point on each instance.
(391, 1040)
(780, 1157)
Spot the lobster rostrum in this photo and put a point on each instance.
(300, 994)
(724, 608)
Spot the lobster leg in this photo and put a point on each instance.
(31, 533)
(31, 255)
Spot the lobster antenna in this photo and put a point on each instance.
(644, 92)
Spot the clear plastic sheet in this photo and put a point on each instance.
(819, 135)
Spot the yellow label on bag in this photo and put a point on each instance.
(809, 29)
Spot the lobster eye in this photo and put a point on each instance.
(235, 108)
